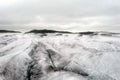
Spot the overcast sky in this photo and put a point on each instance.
(73, 15)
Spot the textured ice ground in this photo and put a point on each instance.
(59, 57)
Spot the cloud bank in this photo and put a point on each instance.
(72, 15)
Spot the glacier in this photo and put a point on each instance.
(56, 56)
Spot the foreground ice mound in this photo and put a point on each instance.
(59, 57)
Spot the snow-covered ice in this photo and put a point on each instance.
(59, 57)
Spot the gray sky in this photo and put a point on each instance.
(73, 15)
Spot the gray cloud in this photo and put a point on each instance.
(74, 15)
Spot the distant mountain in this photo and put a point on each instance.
(88, 33)
(47, 31)
(8, 31)
(98, 33)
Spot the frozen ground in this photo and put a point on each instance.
(59, 57)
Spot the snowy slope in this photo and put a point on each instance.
(59, 57)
